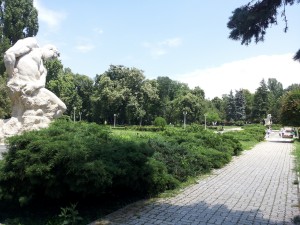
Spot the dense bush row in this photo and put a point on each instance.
(250, 133)
(80, 160)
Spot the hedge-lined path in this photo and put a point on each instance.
(257, 187)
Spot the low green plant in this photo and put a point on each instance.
(70, 215)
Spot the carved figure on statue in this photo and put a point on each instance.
(33, 106)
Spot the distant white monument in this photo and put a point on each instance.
(33, 106)
(268, 120)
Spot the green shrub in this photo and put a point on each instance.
(181, 162)
(76, 160)
(69, 215)
(160, 122)
(146, 128)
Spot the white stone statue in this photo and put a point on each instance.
(33, 106)
(268, 120)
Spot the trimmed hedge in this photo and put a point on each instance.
(81, 160)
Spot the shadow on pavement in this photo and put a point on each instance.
(199, 213)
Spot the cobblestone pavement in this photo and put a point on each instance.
(257, 187)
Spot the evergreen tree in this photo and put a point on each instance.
(230, 109)
(276, 91)
(249, 104)
(240, 105)
(260, 102)
(253, 19)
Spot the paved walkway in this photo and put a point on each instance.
(257, 187)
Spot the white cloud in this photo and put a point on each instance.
(161, 48)
(84, 48)
(50, 17)
(245, 74)
(173, 42)
(98, 30)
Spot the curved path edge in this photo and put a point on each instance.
(257, 187)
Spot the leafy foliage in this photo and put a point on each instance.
(19, 19)
(80, 160)
(69, 160)
(290, 111)
(70, 215)
(4, 100)
(160, 122)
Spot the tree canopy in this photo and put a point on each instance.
(290, 111)
(251, 21)
(19, 19)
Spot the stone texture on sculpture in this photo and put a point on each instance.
(268, 120)
(33, 106)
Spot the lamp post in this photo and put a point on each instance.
(184, 119)
(74, 112)
(205, 121)
(115, 115)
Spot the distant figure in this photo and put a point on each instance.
(268, 132)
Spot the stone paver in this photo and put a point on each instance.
(255, 188)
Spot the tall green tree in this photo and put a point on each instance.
(169, 90)
(65, 88)
(220, 105)
(252, 20)
(275, 94)
(260, 102)
(230, 108)
(275, 87)
(19, 19)
(292, 87)
(123, 91)
(290, 110)
(54, 69)
(192, 104)
(84, 88)
(249, 104)
(240, 106)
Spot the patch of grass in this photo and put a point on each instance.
(297, 155)
(247, 145)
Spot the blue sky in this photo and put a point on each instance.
(184, 40)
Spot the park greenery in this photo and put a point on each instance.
(75, 163)
(75, 172)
